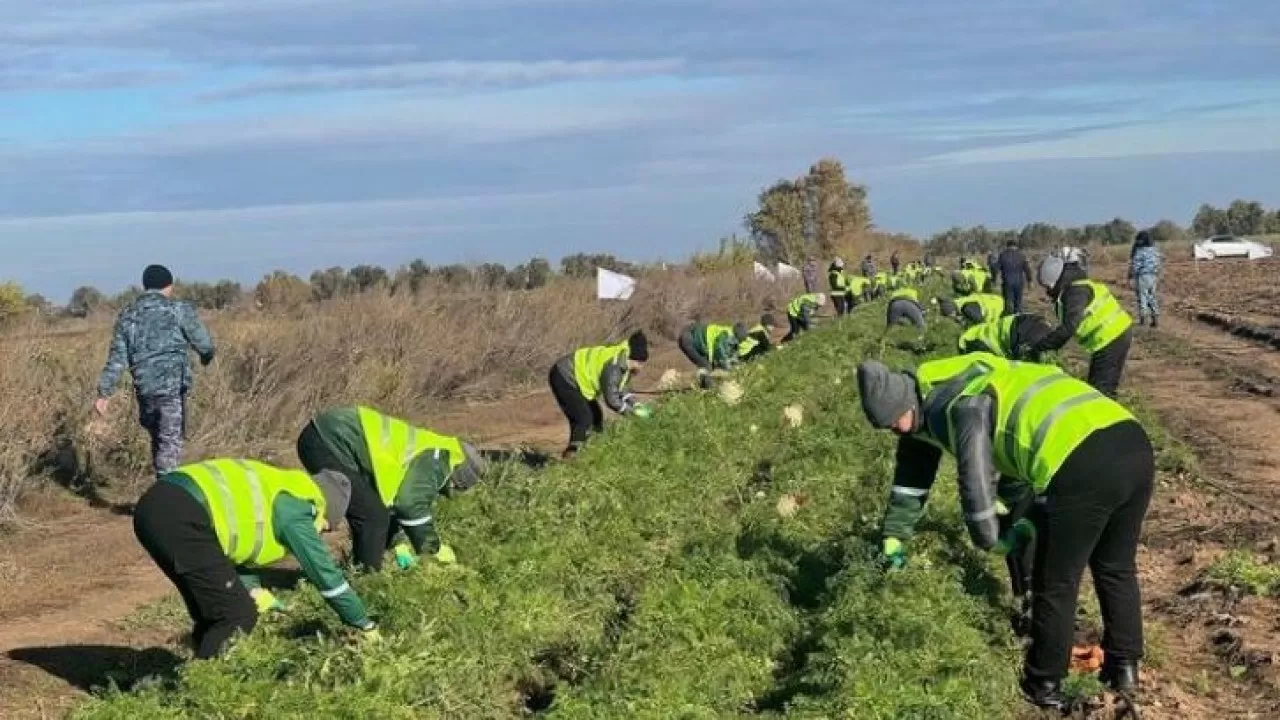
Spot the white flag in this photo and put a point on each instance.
(614, 286)
(762, 273)
(786, 271)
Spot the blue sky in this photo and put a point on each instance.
(248, 135)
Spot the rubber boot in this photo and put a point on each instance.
(1154, 322)
(1044, 694)
(1120, 677)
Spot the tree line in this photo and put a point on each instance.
(1241, 217)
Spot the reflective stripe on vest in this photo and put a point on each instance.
(1104, 319)
(751, 343)
(713, 334)
(393, 444)
(993, 336)
(940, 383)
(240, 495)
(589, 364)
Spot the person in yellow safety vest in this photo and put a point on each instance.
(839, 283)
(1011, 336)
(712, 347)
(881, 284)
(905, 307)
(1087, 310)
(979, 279)
(580, 379)
(210, 525)
(962, 283)
(759, 340)
(859, 291)
(979, 307)
(800, 313)
(1085, 457)
(397, 472)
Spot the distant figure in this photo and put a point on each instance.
(1144, 269)
(993, 265)
(894, 262)
(928, 260)
(810, 272)
(151, 339)
(839, 283)
(868, 266)
(1014, 273)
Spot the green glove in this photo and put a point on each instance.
(405, 557)
(1020, 534)
(893, 555)
(446, 555)
(642, 411)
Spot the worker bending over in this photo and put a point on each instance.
(1087, 310)
(713, 347)
(579, 379)
(397, 471)
(904, 307)
(979, 307)
(209, 525)
(800, 312)
(1011, 336)
(1085, 457)
(759, 340)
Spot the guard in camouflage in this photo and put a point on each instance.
(151, 339)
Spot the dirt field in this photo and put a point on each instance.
(74, 579)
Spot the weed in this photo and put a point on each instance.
(1245, 571)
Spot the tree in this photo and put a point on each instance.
(778, 225)
(13, 301)
(1273, 223)
(1246, 218)
(1117, 232)
(455, 276)
(491, 276)
(836, 210)
(1167, 231)
(327, 284)
(85, 300)
(411, 278)
(1041, 235)
(531, 275)
(362, 278)
(1209, 220)
(282, 291)
(39, 303)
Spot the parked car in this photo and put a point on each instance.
(1219, 246)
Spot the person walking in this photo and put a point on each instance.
(397, 472)
(1014, 270)
(151, 338)
(580, 379)
(1087, 310)
(1086, 459)
(208, 526)
(810, 273)
(1145, 265)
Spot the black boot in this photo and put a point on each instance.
(1044, 694)
(1154, 322)
(1120, 677)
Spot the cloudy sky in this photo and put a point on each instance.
(248, 135)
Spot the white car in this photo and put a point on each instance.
(1220, 246)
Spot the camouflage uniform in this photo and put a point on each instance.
(151, 339)
(1144, 267)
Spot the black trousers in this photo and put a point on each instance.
(686, 346)
(584, 416)
(1092, 516)
(904, 311)
(840, 299)
(797, 326)
(1012, 298)
(177, 533)
(1107, 365)
(373, 529)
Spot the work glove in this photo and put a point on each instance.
(266, 601)
(446, 556)
(642, 411)
(1020, 534)
(405, 557)
(893, 554)
(369, 634)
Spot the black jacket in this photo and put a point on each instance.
(1075, 300)
(1013, 267)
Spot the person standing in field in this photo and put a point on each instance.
(868, 266)
(1019, 429)
(810, 273)
(839, 284)
(894, 262)
(578, 381)
(151, 338)
(1014, 269)
(1144, 269)
(1088, 311)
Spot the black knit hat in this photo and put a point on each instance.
(156, 277)
(638, 347)
(768, 320)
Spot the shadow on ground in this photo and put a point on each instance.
(90, 667)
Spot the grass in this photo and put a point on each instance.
(655, 578)
(1247, 572)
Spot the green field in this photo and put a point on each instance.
(655, 577)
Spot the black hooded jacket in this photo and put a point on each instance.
(1075, 300)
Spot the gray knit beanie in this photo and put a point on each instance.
(336, 488)
(470, 471)
(886, 395)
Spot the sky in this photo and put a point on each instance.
(229, 138)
